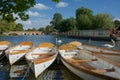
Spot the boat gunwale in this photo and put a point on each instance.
(39, 60)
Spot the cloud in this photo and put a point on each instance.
(41, 6)
(36, 23)
(36, 14)
(61, 4)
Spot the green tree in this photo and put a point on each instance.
(103, 21)
(6, 26)
(57, 19)
(49, 29)
(41, 29)
(67, 25)
(10, 7)
(19, 27)
(84, 17)
(117, 23)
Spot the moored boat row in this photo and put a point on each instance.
(87, 62)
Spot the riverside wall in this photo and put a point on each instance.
(88, 34)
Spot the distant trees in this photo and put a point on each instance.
(6, 26)
(84, 20)
(103, 21)
(57, 19)
(117, 23)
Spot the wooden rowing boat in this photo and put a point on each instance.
(89, 65)
(41, 57)
(17, 52)
(4, 45)
(97, 49)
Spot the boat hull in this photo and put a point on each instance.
(40, 67)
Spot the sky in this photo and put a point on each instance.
(42, 13)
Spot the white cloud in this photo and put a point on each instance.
(41, 6)
(36, 23)
(61, 4)
(33, 13)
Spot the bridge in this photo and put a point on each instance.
(23, 33)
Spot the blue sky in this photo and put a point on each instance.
(42, 13)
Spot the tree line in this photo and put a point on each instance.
(84, 20)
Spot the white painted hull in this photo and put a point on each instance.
(17, 52)
(80, 73)
(39, 68)
(14, 58)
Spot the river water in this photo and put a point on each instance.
(57, 71)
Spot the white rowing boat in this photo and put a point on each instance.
(97, 49)
(17, 52)
(89, 65)
(41, 57)
(4, 45)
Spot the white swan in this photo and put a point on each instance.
(110, 45)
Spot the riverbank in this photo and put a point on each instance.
(101, 35)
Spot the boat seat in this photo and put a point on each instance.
(86, 66)
(18, 51)
(79, 61)
(104, 70)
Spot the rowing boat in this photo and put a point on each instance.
(101, 50)
(4, 45)
(17, 52)
(89, 65)
(41, 57)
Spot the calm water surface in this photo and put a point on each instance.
(57, 71)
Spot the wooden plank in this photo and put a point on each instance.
(104, 70)
(79, 61)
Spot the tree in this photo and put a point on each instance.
(57, 18)
(6, 26)
(19, 27)
(10, 7)
(103, 21)
(84, 17)
(117, 23)
(67, 25)
(49, 29)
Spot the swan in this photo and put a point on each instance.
(110, 45)
(59, 41)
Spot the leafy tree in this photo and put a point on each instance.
(41, 29)
(84, 22)
(117, 23)
(19, 27)
(84, 17)
(103, 21)
(57, 18)
(10, 7)
(49, 29)
(67, 25)
(6, 26)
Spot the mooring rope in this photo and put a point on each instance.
(2, 57)
(27, 71)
